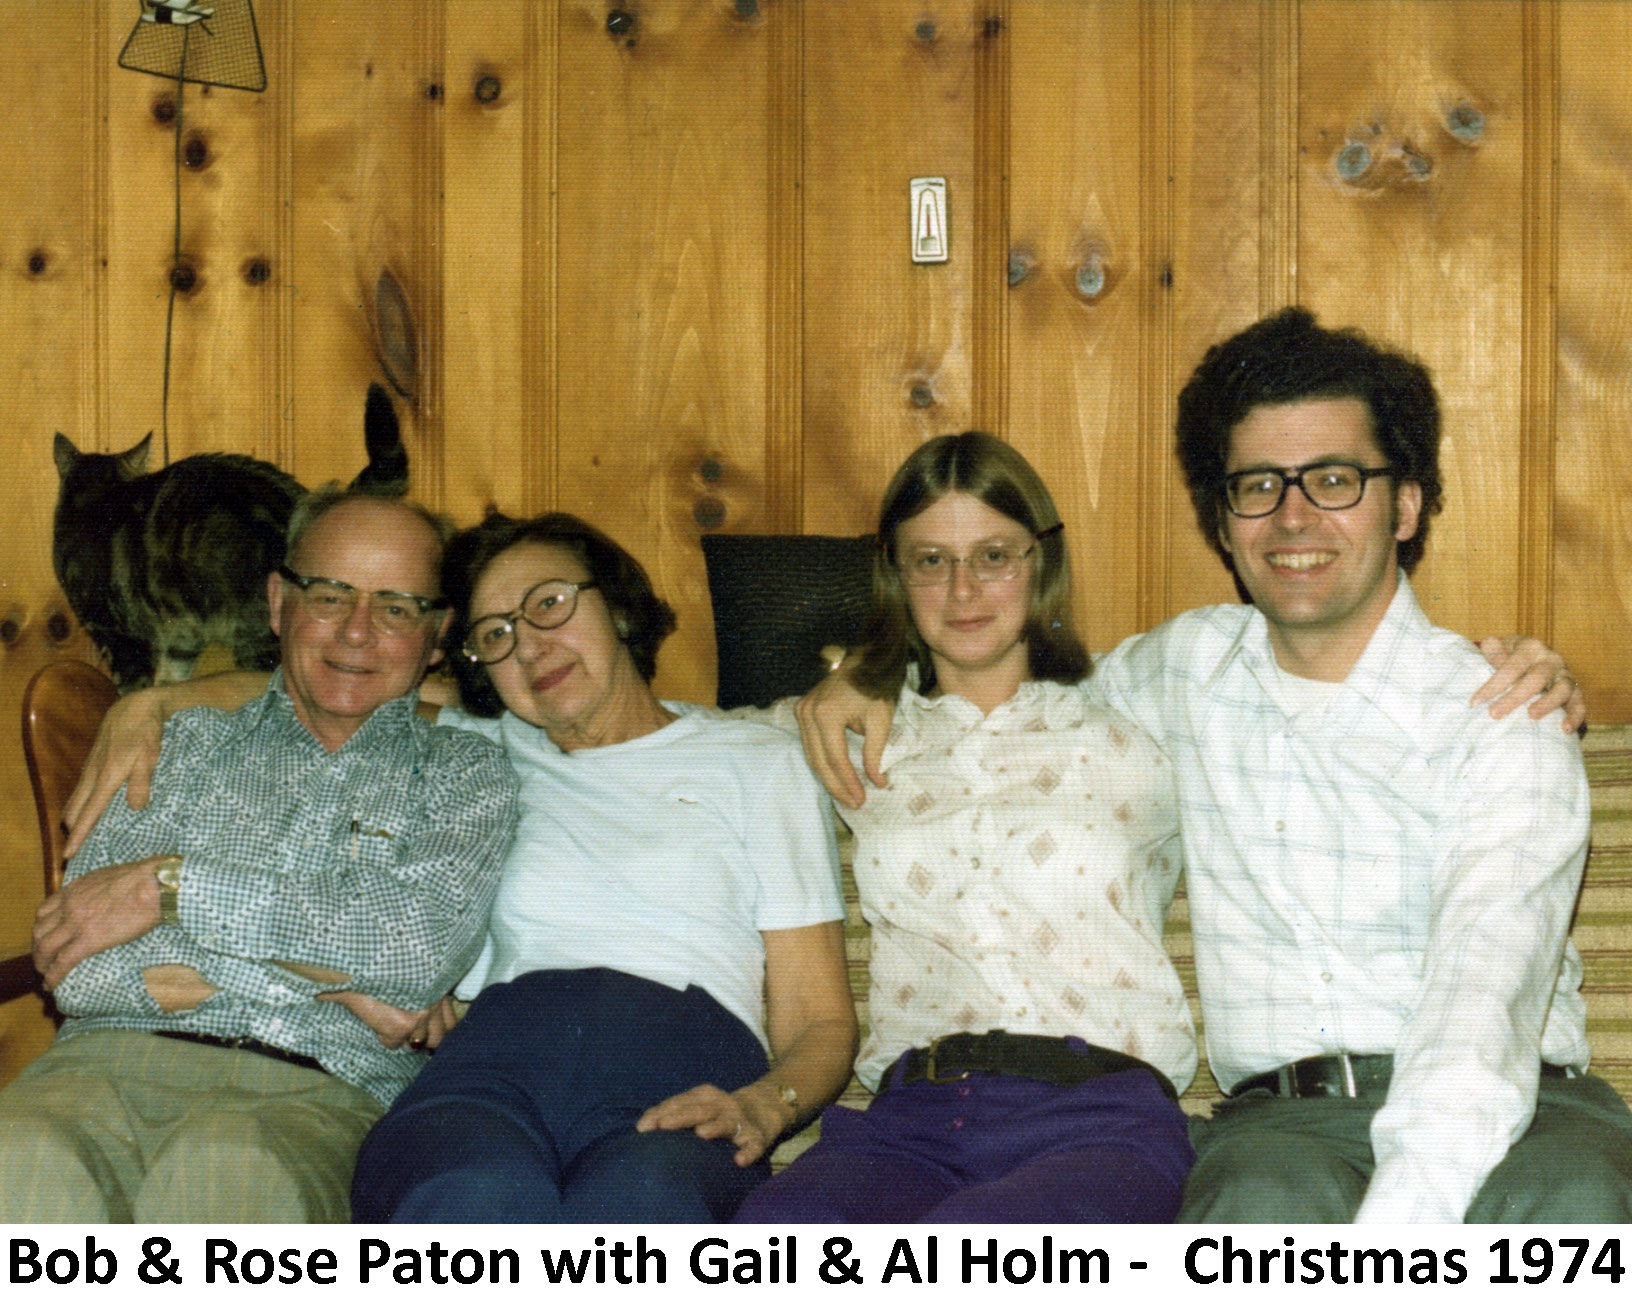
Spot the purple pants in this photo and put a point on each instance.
(990, 1149)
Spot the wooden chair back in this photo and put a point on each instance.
(62, 707)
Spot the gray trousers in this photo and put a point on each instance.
(129, 1127)
(1264, 1159)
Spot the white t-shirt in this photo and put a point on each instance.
(664, 857)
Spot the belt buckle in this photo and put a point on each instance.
(1346, 1088)
(932, 1072)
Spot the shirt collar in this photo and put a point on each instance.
(1382, 664)
(391, 716)
(915, 706)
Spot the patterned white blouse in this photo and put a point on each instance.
(1016, 873)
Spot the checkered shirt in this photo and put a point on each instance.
(378, 861)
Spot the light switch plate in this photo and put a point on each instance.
(930, 237)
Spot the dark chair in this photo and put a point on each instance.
(779, 600)
(62, 707)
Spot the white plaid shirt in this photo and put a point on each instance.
(379, 860)
(1394, 872)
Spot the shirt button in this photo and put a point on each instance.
(963, 1089)
(1325, 977)
(956, 1124)
(1280, 826)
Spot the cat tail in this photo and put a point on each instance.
(387, 471)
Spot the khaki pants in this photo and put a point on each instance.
(129, 1127)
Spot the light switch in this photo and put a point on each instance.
(929, 231)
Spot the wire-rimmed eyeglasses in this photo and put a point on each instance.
(1331, 486)
(990, 563)
(546, 605)
(332, 601)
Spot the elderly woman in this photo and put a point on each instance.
(673, 875)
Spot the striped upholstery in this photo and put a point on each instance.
(1603, 932)
(1603, 920)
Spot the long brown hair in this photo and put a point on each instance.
(986, 468)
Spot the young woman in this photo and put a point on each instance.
(1028, 1033)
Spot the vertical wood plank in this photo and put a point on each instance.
(661, 270)
(1414, 233)
(196, 180)
(1278, 153)
(1538, 429)
(540, 373)
(1233, 153)
(887, 343)
(53, 330)
(1153, 467)
(426, 251)
(1083, 273)
(1592, 520)
(989, 243)
(142, 186)
(490, 183)
(785, 270)
(364, 166)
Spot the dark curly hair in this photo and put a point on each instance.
(1287, 358)
(642, 618)
(986, 468)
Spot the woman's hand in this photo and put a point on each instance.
(437, 1022)
(416, 1029)
(751, 1118)
(126, 748)
(825, 714)
(812, 1028)
(1527, 670)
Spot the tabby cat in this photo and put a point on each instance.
(157, 566)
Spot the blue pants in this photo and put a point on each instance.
(990, 1149)
(527, 1113)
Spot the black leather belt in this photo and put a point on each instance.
(1344, 1075)
(245, 1043)
(1014, 1054)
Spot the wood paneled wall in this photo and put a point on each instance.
(653, 267)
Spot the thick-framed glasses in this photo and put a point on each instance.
(991, 563)
(544, 606)
(332, 601)
(1331, 486)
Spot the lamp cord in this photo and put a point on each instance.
(175, 249)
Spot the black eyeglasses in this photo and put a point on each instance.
(1331, 486)
(544, 606)
(990, 563)
(332, 601)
